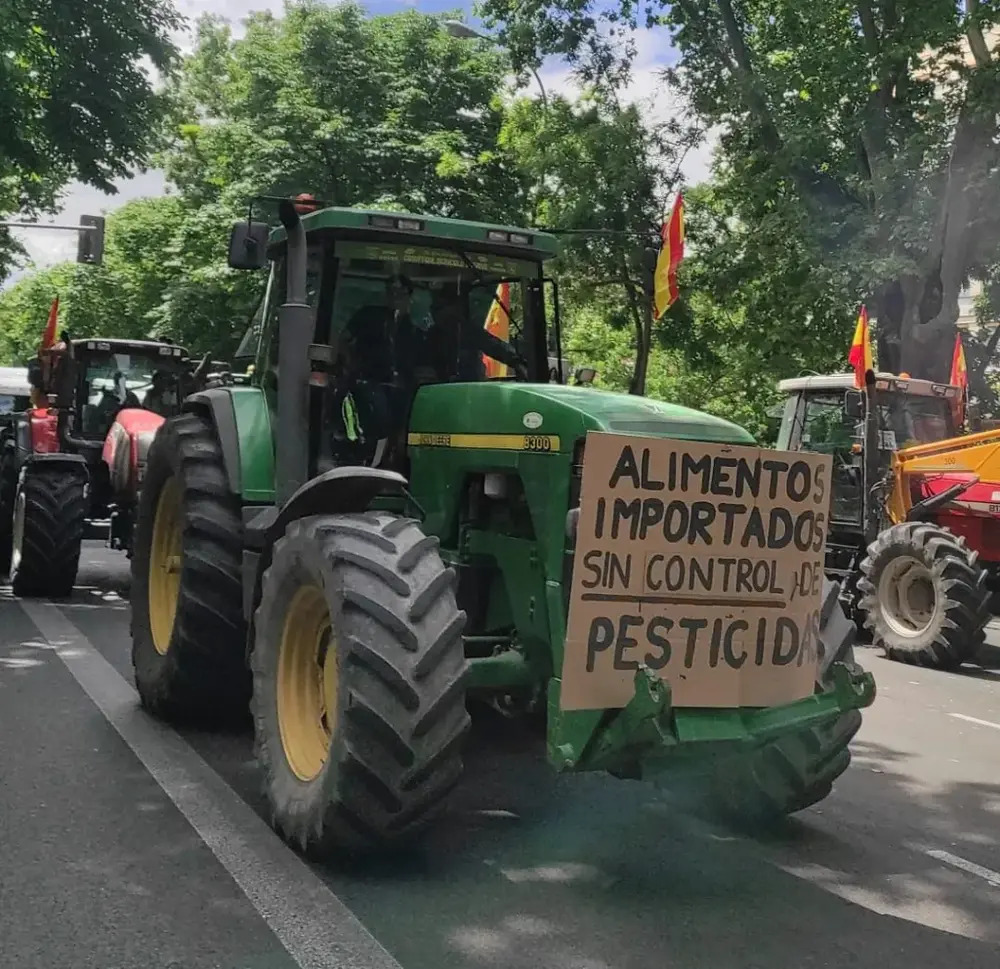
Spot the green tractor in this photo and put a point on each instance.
(369, 534)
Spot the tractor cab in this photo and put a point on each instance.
(828, 414)
(389, 305)
(100, 402)
(95, 379)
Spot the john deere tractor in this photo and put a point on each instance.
(369, 534)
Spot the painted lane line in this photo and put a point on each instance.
(987, 874)
(311, 922)
(976, 720)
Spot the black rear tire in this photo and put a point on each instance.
(392, 749)
(797, 771)
(850, 599)
(46, 559)
(961, 597)
(202, 675)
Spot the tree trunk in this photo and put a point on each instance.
(642, 319)
(903, 309)
(644, 342)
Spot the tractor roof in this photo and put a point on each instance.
(430, 230)
(117, 345)
(883, 381)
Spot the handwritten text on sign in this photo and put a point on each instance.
(703, 562)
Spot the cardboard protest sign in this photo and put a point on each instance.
(703, 562)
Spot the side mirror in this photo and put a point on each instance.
(248, 245)
(854, 405)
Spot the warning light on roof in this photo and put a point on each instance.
(305, 203)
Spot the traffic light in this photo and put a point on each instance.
(90, 244)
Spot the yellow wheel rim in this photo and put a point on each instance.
(307, 683)
(165, 565)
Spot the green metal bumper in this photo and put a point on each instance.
(649, 733)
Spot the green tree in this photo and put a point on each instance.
(24, 309)
(77, 103)
(862, 136)
(164, 276)
(600, 175)
(387, 111)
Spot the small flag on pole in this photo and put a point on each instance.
(860, 355)
(959, 378)
(49, 333)
(665, 289)
(498, 323)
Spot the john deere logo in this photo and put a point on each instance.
(532, 420)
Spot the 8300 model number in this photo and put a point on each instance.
(538, 442)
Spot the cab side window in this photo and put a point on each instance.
(825, 427)
(276, 297)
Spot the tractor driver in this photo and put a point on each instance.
(455, 346)
(382, 336)
(162, 396)
(115, 399)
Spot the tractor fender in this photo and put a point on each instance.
(217, 406)
(126, 446)
(74, 463)
(338, 491)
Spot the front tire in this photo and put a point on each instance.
(797, 771)
(359, 683)
(188, 631)
(50, 510)
(925, 596)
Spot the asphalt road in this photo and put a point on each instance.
(124, 844)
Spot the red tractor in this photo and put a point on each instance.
(75, 458)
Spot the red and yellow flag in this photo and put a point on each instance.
(498, 323)
(960, 378)
(49, 333)
(665, 291)
(860, 355)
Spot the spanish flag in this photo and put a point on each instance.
(959, 378)
(665, 291)
(860, 356)
(498, 323)
(49, 333)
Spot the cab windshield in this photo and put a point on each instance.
(114, 381)
(435, 315)
(904, 420)
(914, 420)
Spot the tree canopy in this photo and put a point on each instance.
(78, 102)
(859, 142)
(857, 161)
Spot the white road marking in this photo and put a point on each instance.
(311, 922)
(976, 720)
(987, 874)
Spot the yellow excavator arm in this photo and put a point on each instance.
(970, 454)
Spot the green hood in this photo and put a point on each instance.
(495, 407)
